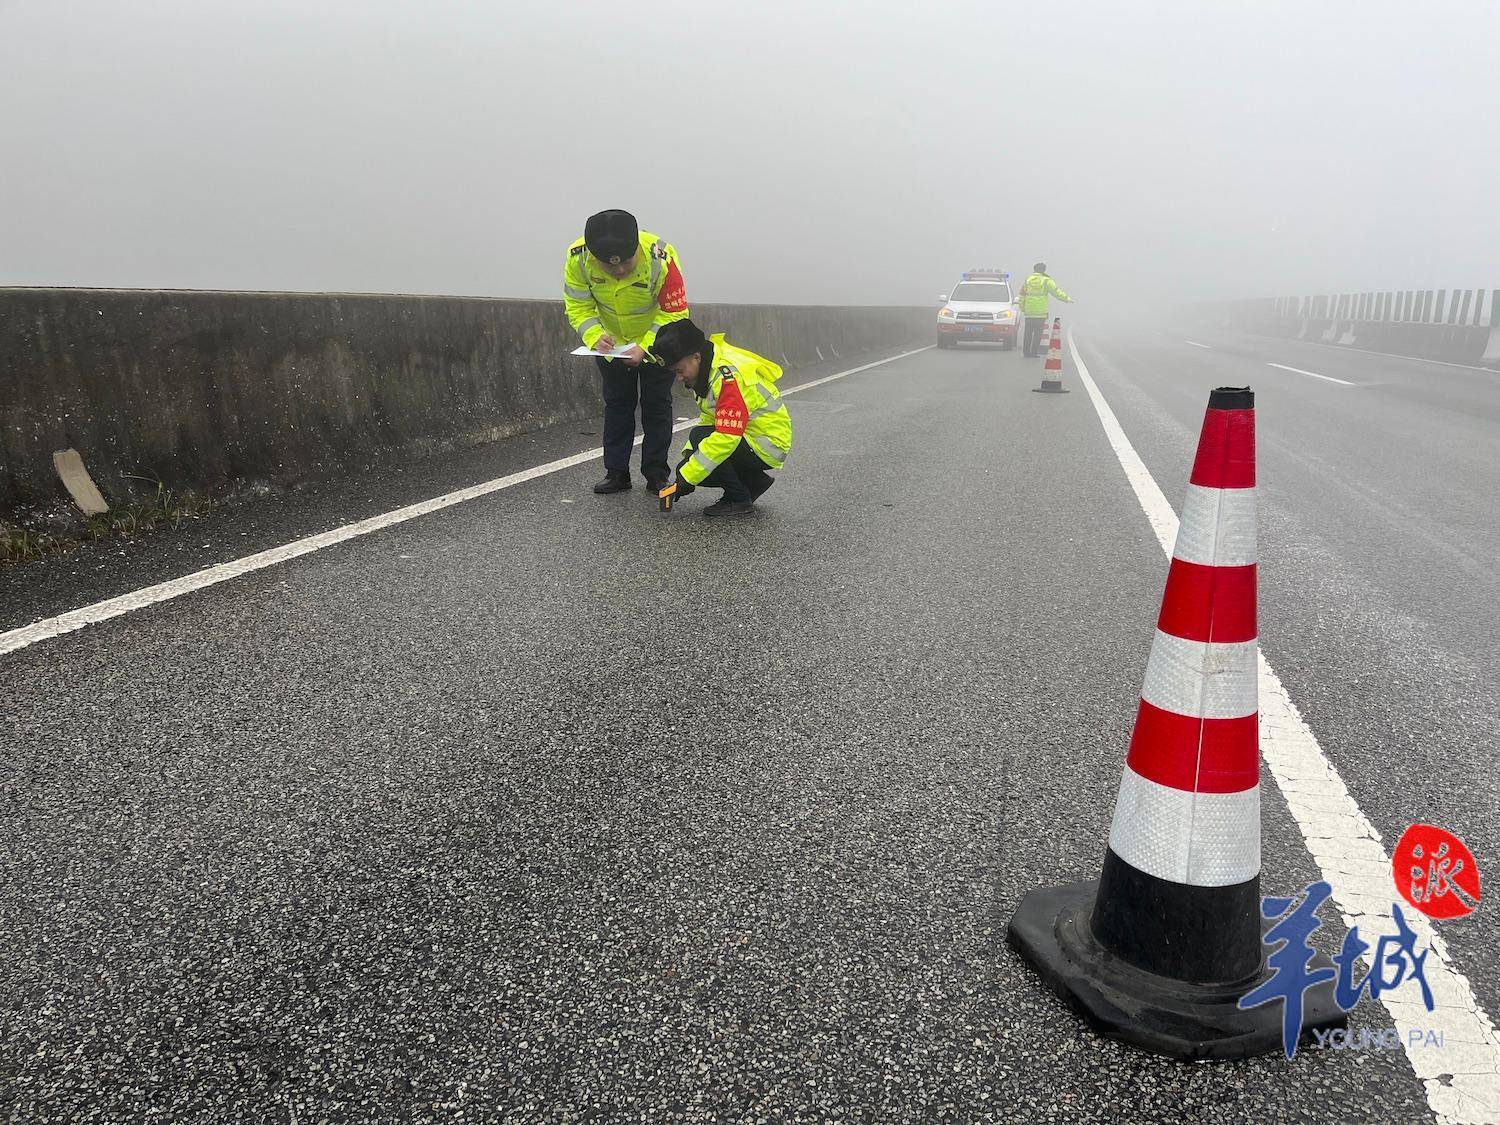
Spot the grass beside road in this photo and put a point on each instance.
(155, 507)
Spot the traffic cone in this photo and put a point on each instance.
(1045, 342)
(1159, 951)
(1052, 369)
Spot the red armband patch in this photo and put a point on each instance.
(731, 416)
(673, 296)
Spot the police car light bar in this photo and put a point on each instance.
(984, 275)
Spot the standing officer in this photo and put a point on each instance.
(621, 284)
(1034, 305)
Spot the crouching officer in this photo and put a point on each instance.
(620, 285)
(1034, 306)
(743, 428)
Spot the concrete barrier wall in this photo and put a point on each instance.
(1456, 326)
(206, 389)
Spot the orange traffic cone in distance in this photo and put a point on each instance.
(1052, 369)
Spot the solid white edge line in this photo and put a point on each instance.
(1314, 374)
(1462, 1079)
(26, 635)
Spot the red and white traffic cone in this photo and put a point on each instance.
(1052, 369)
(1045, 342)
(1160, 949)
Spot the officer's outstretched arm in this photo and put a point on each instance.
(712, 452)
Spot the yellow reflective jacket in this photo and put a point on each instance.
(1034, 292)
(769, 426)
(631, 309)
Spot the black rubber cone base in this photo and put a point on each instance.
(1050, 388)
(1182, 1020)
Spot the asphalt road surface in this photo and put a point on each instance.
(547, 806)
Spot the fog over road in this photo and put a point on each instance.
(466, 812)
(423, 784)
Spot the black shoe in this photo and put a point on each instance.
(758, 489)
(613, 482)
(654, 485)
(730, 508)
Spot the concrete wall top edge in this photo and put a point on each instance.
(342, 295)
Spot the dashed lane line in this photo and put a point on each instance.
(1314, 374)
(73, 620)
(1462, 1078)
(1205, 347)
(1408, 358)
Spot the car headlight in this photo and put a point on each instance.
(1005, 314)
(947, 314)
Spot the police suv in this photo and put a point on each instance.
(981, 307)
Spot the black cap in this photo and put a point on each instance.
(1231, 398)
(612, 236)
(678, 339)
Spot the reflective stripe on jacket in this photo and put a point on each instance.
(768, 427)
(1034, 292)
(631, 309)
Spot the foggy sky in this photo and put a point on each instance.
(838, 153)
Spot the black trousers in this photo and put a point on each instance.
(623, 386)
(1033, 334)
(742, 475)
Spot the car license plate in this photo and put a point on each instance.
(973, 328)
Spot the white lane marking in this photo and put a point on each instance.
(1462, 1079)
(1314, 374)
(1408, 358)
(75, 619)
(1207, 347)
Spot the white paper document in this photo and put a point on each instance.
(620, 350)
